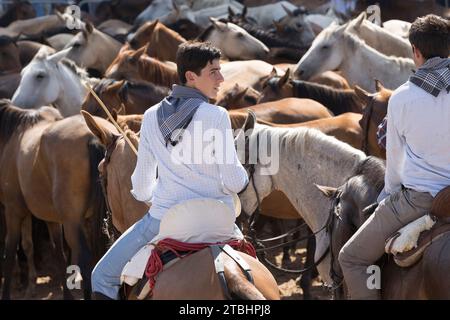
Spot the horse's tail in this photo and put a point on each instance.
(97, 204)
(240, 287)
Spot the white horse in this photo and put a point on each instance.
(398, 27)
(51, 80)
(337, 49)
(265, 15)
(379, 38)
(234, 42)
(92, 48)
(308, 157)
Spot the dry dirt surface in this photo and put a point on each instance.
(48, 289)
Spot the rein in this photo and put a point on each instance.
(259, 243)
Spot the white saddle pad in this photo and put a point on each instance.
(192, 221)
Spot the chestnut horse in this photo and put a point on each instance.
(136, 65)
(163, 41)
(42, 176)
(172, 283)
(19, 10)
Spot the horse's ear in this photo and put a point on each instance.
(288, 11)
(363, 94)
(56, 57)
(273, 73)
(378, 85)
(250, 122)
(244, 12)
(103, 134)
(231, 13)
(278, 27)
(240, 94)
(359, 20)
(117, 85)
(219, 25)
(138, 53)
(88, 27)
(284, 79)
(327, 191)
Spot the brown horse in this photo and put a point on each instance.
(172, 283)
(9, 82)
(10, 61)
(43, 176)
(163, 41)
(337, 100)
(238, 97)
(373, 114)
(128, 97)
(289, 110)
(136, 65)
(427, 279)
(19, 10)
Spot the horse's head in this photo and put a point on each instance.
(374, 110)
(260, 182)
(142, 35)
(41, 82)
(235, 42)
(108, 91)
(239, 97)
(9, 53)
(276, 87)
(294, 24)
(82, 48)
(116, 169)
(326, 53)
(125, 65)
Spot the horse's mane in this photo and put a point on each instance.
(337, 100)
(156, 71)
(104, 83)
(141, 85)
(304, 140)
(14, 119)
(80, 72)
(205, 33)
(268, 38)
(166, 32)
(373, 169)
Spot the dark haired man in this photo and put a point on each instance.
(417, 153)
(165, 180)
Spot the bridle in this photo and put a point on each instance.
(108, 226)
(260, 243)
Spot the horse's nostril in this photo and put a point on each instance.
(300, 72)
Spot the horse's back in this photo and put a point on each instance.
(194, 278)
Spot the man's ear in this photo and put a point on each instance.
(190, 75)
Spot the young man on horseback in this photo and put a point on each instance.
(418, 161)
(159, 177)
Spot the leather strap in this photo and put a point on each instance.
(219, 265)
(238, 259)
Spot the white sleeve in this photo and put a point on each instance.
(395, 153)
(144, 177)
(233, 174)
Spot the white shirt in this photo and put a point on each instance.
(418, 140)
(183, 180)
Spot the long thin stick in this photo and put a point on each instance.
(111, 118)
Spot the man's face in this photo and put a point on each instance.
(209, 80)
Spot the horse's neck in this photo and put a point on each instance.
(309, 157)
(379, 38)
(156, 72)
(363, 64)
(72, 94)
(110, 48)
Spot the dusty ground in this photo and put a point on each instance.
(47, 289)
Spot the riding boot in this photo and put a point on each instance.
(100, 296)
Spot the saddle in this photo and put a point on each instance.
(189, 225)
(410, 242)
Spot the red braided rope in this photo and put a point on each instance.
(155, 266)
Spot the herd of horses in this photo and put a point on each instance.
(318, 84)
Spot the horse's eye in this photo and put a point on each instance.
(40, 76)
(299, 25)
(325, 47)
(77, 45)
(240, 35)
